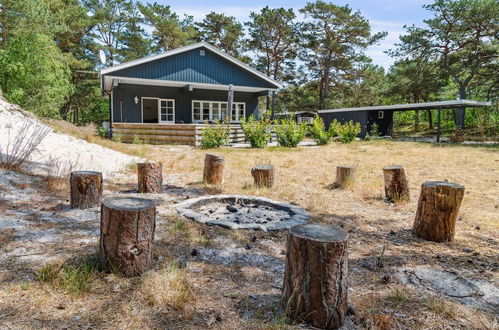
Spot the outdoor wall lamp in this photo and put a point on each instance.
(136, 99)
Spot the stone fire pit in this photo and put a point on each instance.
(242, 212)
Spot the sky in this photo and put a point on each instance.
(383, 15)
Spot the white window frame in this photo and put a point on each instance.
(229, 111)
(159, 109)
(381, 114)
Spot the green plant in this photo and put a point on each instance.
(374, 132)
(101, 131)
(319, 132)
(117, 137)
(349, 131)
(289, 134)
(257, 132)
(215, 136)
(334, 128)
(137, 139)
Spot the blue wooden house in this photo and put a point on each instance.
(168, 98)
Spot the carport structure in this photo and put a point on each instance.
(382, 115)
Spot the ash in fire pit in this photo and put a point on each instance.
(242, 212)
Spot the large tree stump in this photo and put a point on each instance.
(396, 185)
(86, 189)
(127, 234)
(213, 169)
(438, 207)
(263, 175)
(345, 176)
(150, 177)
(315, 280)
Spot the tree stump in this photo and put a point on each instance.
(396, 185)
(263, 175)
(127, 234)
(344, 176)
(213, 169)
(86, 189)
(438, 207)
(150, 177)
(315, 280)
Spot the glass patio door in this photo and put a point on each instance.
(166, 111)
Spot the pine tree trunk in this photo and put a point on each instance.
(396, 185)
(127, 234)
(86, 189)
(345, 176)
(263, 175)
(315, 279)
(150, 177)
(213, 169)
(437, 212)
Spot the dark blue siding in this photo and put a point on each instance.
(190, 66)
(343, 117)
(125, 109)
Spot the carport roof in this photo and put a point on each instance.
(416, 106)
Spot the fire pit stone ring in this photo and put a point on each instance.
(242, 212)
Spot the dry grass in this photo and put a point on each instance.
(184, 298)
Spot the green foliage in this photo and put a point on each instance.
(289, 134)
(319, 133)
(374, 131)
(215, 136)
(117, 137)
(34, 74)
(349, 131)
(334, 128)
(222, 31)
(257, 132)
(101, 131)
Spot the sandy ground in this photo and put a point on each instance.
(236, 276)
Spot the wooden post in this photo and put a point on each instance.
(263, 175)
(438, 207)
(127, 234)
(315, 279)
(345, 176)
(396, 185)
(86, 189)
(213, 169)
(150, 177)
(438, 125)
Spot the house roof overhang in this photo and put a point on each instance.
(109, 81)
(107, 71)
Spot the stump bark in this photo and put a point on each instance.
(396, 185)
(263, 175)
(213, 169)
(437, 211)
(150, 177)
(86, 189)
(127, 234)
(345, 176)
(315, 279)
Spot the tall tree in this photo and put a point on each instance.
(335, 39)
(462, 36)
(273, 36)
(222, 31)
(169, 30)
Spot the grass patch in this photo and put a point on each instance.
(440, 307)
(74, 277)
(188, 230)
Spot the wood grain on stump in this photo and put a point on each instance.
(127, 234)
(396, 185)
(150, 177)
(315, 280)
(345, 176)
(263, 175)
(86, 189)
(213, 169)
(438, 207)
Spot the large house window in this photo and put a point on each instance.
(215, 110)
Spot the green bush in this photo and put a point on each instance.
(289, 134)
(215, 136)
(101, 131)
(374, 131)
(349, 131)
(334, 128)
(319, 133)
(257, 132)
